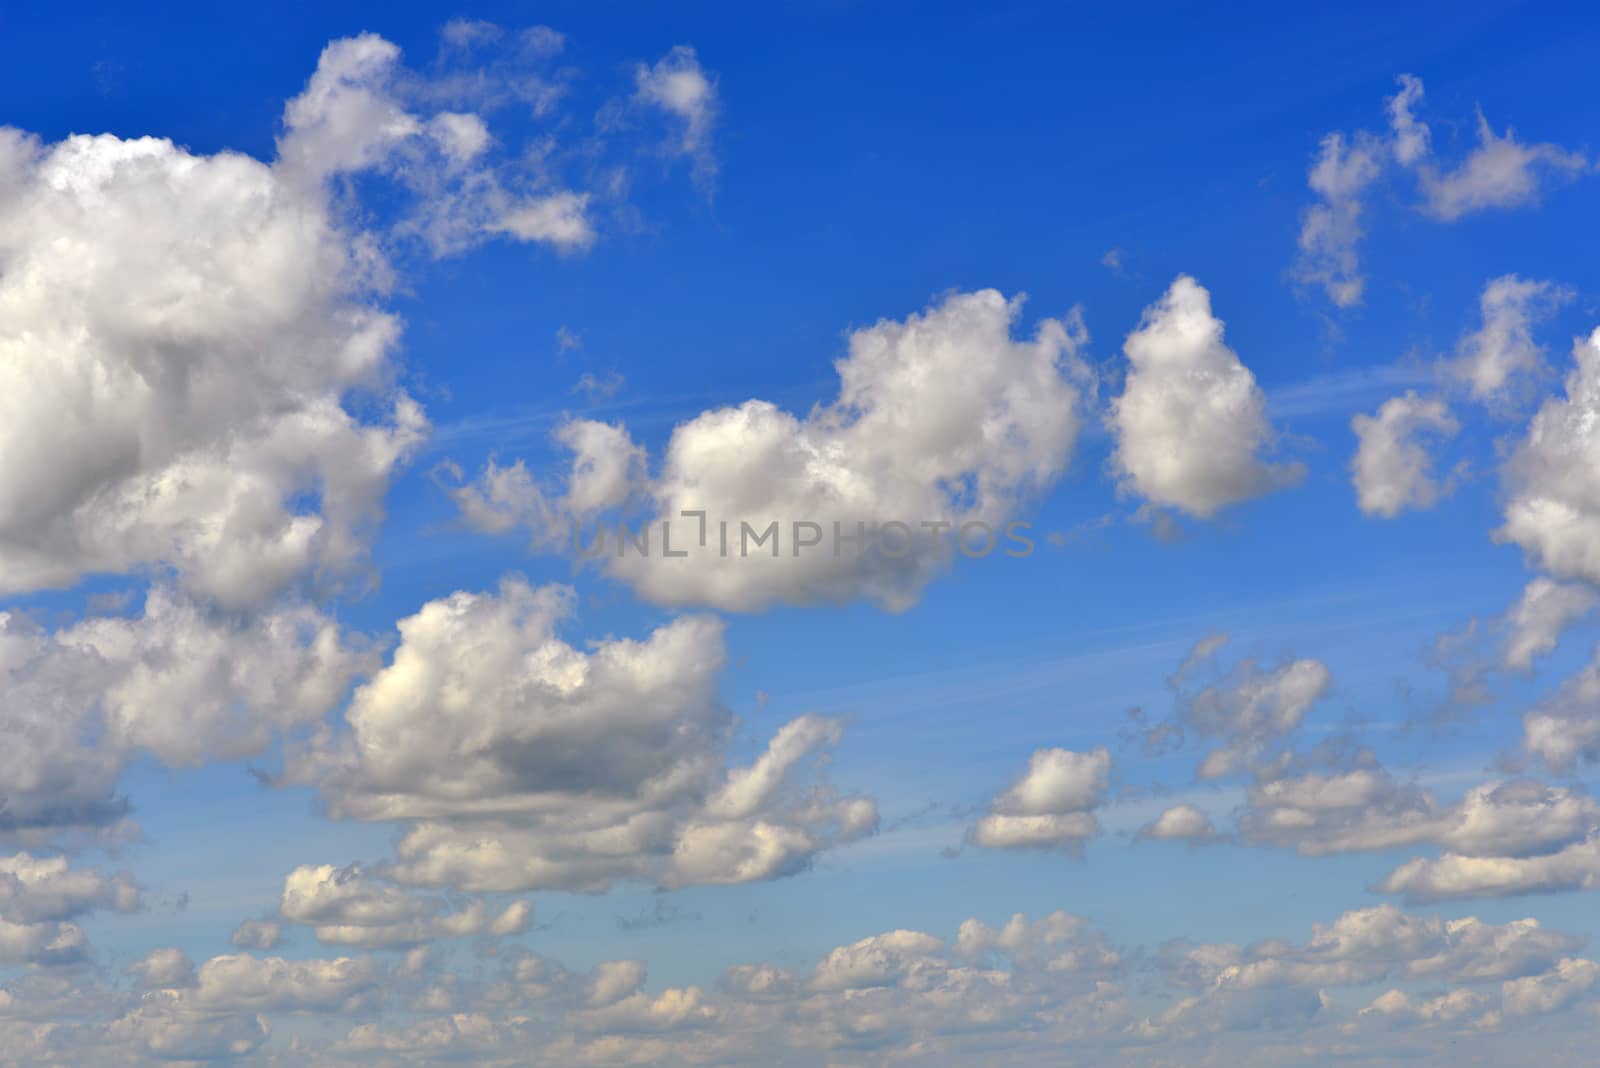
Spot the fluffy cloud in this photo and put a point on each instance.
(1179, 823)
(40, 896)
(1457, 875)
(180, 335)
(1552, 480)
(1392, 469)
(1541, 615)
(678, 85)
(188, 339)
(941, 418)
(1191, 422)
(523, 762)
(1331, 230)
(1564, 728)
(351, 907)
(1277, 982)
(1051, 805)
(181, 681)
(606, 471)
(1364, 808)
(1499, 839)
(1502, 350)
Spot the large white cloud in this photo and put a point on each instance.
(941, 418)
(1191, 423)
(178, 335)
(523, 762)
(196, 366)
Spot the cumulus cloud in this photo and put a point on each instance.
(39, 899)
(188, 339)
(1564, 728)
(1051, 805)
(521, 762)
(1552, 479)
(1191, 423)
(181, 333)
(942, 419)
(181, 681)
(1392, 469)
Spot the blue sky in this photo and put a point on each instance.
(326, 374)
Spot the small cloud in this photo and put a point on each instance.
(600, 389)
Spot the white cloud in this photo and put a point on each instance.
(940, 418)
(1411, 135)
(678, 85)
(1392, 469)
(183, 418)
(351, 907)
(43, 889)
(1050, 806)
(181, 681)
(1364, 808)
(1502, 351)
(525, 762)
(1541, 615)
(167, 968)
(1331, 230)
(1564, 728)
(1191, 421)
(1500, 173)
(1458, 875)
(1552, 480)
(1179, 823)
(1552, 991)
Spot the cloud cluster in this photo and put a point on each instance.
(944, 423)
(352, 907)
(39, 899)
(181, 681)
(1500, 172)
(520, 762)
